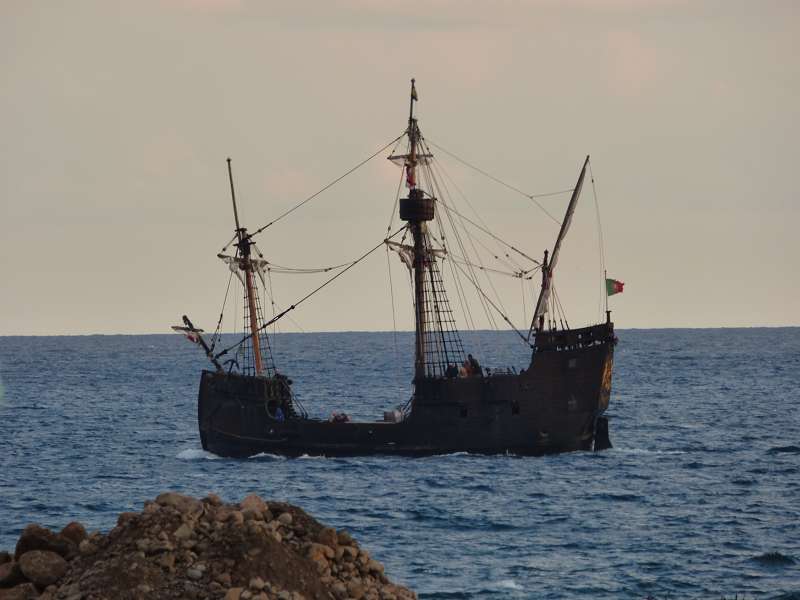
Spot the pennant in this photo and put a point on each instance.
(411, 179)
(614, 287)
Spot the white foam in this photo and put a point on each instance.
(509, 584)
(196, 454)
(268, 455)
(307, 457)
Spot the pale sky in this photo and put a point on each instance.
(117, 117)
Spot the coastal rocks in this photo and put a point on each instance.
(35, 537)
(42, 567)
(181, 547)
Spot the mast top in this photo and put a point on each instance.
(233, 198)
(414, 98)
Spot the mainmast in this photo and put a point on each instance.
(417, 209)
(244, 246)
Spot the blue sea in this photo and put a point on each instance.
(700, 497)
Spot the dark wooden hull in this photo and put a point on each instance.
(553, 406)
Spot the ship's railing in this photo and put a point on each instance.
(574, 339)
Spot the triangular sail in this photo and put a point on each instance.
(547, 269)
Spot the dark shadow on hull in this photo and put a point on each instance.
(556, 405)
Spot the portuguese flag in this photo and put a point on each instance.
(614, 287)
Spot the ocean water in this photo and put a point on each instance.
(700, 497)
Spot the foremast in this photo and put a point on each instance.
(245, 244)
(548, 268)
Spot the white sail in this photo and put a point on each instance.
(547, 271)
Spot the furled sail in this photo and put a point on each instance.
(547, 270)
(237, 264)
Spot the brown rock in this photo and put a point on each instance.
(213, 500)
(26, 591)
(327, 536)
(10, 574)
(36, 537)
(74, 532)
(254, 503)
(345, 539)
(87, 548)
(184, 532)
(234, 593)
(285, 519)
(42, 567)
(356, 590)
(184, 504)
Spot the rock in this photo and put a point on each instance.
(374, 566)
(257, 584)
(254, 503)
(184, 532)
(74, 532)
(234, 593)
(356, 590)
(344, 538)
(285, 519)
(166, 560)
(36, 537)
(194, 574)
(184, 504)
(327, 536)
(125, 518)
(5, 557)
(25, 591)
(87, 548)
(42, 567)
(213, 500)
(339, 590)
(236, 517)
(10, 574)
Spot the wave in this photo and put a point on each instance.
(508, 584)
(784, 450)
(196, 454)
(646, 451)
(261, 455)
(774, 559)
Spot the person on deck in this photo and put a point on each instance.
(474, 366)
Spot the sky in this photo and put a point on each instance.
(117, 118)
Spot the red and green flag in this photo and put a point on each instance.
(614, 287)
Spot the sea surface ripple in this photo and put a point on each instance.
(698, 499)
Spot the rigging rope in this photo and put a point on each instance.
(307, 296)
(463, 196)
(330, 185)
(508, 185)
(604, 291)
(507, 320)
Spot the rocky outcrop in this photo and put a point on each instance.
(182, 547)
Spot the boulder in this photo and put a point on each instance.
(184, 504)
(253, 503)
(10, 574)
(25, 591)
(328, 537)
(42, 567)
(74, 532)
(36, 537)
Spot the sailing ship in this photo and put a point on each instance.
(556, 403)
